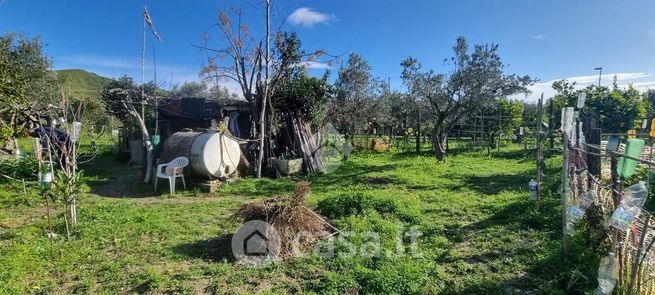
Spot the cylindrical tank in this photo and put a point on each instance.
(211, 154)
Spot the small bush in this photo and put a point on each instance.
(26, 168)
(398, 276)
(13, 194)
(404, 207)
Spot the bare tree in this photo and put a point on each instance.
(249, 60)
(62, 148)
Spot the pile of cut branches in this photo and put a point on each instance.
(292, 219)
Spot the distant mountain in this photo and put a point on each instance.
(81, 84)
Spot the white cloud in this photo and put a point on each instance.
(316, 65)
(537, 37)
(641, 81)
(308, 17)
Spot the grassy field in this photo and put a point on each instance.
(480, 233)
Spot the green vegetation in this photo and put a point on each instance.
(480, 233)
(81, 84)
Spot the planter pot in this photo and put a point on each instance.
(288, 167)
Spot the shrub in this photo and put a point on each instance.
(26, 168)
(404, 207)
(14, 195)
(398, 276)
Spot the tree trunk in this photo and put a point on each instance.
(418, 132)
(441, 141)
(146, 139)
(149, 148)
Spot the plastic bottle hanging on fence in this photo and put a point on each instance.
(567, 120)
(581, 99)
(77, 130)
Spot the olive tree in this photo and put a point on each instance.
(27, 85)
(351, 107)
(475, 78)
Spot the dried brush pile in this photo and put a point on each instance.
(291, 218)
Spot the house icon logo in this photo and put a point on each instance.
(255, 242)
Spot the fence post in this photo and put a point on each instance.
(565, 184)
(592, 136)
(616, 197)
(551, 123)
(539, 139)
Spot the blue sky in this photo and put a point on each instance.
(546, 39)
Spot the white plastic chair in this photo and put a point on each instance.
(171, 171)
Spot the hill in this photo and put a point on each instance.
(82, 84)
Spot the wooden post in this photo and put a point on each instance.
(592, 136)
(616, 196)
(635, 262)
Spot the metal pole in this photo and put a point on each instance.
(565, 184)
(600, 74)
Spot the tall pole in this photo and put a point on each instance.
(539, 140)
(154, 78)
(143, 64)
(418, 129)
(551, 123)
(262, 117)
(600, 74)
(500, 127)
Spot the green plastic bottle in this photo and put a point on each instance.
(626, 167)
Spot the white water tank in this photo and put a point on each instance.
(211, 154)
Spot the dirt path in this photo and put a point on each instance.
(120, 185)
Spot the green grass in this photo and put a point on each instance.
(480, 234)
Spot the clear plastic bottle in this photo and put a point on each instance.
(587, 199)
(635, 196)
(533, 189)
(573, 214)
(607, 274)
